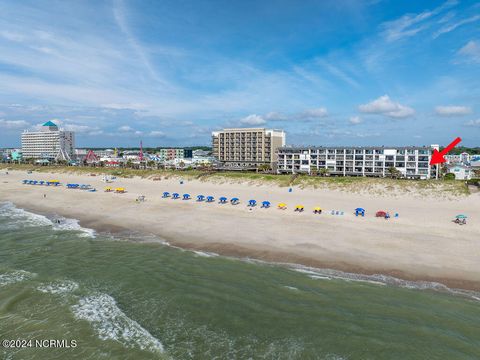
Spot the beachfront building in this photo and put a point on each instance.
(171, 154)
(463, 158)
(410, 162)
(247, 148)
(50, 143)
(461, 171)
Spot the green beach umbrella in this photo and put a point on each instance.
(461, 216)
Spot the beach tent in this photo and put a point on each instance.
(381, 213)
(265, 204)
(166, 194)
(175, 196)
(360, 211)
(210, 198)
(282, 206)
(234, 201)
(186, 196)
(200, 197)
(299, 208)
(317, 210)
(223, 200)
(252, 203)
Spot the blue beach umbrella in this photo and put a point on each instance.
(210, 198)
(175, 195)
(223, 199)
(265, 204)
(25, 181)
(234, 201)
(252, 202)
(200, 197)
(166, 194)
(186, 196)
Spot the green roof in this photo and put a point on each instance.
(49, 123)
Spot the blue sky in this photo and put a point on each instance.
(169, 72)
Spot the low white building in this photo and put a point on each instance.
(461, 172)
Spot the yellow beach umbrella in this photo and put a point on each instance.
(108, 188)
(120, 190)
(318, 208)
(299, 207)
(282, 206)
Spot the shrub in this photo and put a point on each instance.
(449, 176)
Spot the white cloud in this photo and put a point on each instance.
(252, 119)
(471, 51)
(451, 27)
(411, 24)
(385, 106)
(276, 116)
(156, 133)
(452, 110)
(125, 128)
(314, 113)
(475, 123)
(355, 120)
(13, 124)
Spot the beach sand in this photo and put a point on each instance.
(422, 244)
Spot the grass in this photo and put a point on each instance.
(379, 186)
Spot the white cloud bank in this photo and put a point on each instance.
(452, 110)
(355, 120)
(252, 119)
(385, 106)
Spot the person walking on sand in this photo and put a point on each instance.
(44, 195)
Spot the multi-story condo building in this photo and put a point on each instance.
(171, 154)
(248, 147)
(411, 162)
(48, 143)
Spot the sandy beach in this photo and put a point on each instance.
(421, 244)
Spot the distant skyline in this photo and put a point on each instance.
(169, 73)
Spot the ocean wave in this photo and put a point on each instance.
(17, 216)
(15, 276)
(58, 287)
(20, 217)
(111, 323)
(382, 280)
(205, 253)
(65, 224)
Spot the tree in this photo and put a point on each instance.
(394, 173)
(324, 172)
(264, 167)
(449, 176)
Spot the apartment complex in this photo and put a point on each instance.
(171, 154)
(49, 143)
(411, 162)
(247, 148)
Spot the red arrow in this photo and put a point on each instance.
(438, 157)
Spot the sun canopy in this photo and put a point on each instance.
(461, 216)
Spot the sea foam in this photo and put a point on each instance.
(58, 287)
(15, 276)
(111, 323)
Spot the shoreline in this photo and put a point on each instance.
(210, 230)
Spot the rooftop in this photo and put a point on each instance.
(50, 123)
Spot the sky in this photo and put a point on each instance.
(168, 73)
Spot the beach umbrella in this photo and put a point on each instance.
(252, 202)
(381, 213)
(108, 189)
(200, 197)
(461, 216)
(266, 204)
(210, 198)
(360, 209)
(282, 206)
(175, 195)
(166, 194)
(25, 181)
(223, 199)
(234, 201)
(186, 196)
(317, 209)
(299, 207)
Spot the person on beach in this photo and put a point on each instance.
(44, 195)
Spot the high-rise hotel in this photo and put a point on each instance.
(49, 143)
(411, 162)
(247, 148)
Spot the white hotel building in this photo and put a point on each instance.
(412, 162)
(49, 143)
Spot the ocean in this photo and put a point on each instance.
(130, 296)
